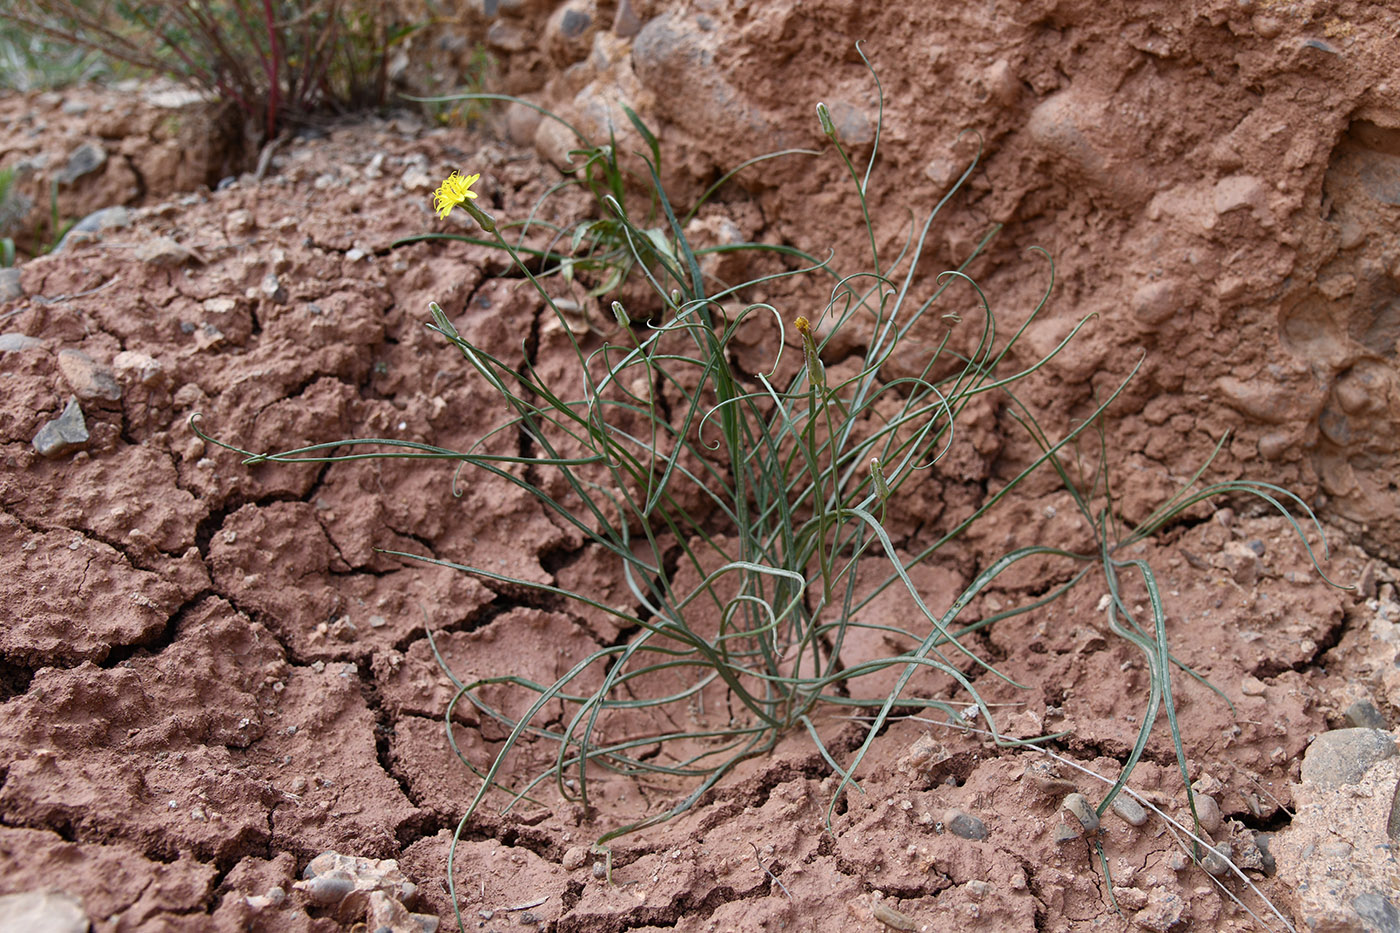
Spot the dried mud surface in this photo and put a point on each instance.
(210, 675)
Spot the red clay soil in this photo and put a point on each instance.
(210, 675)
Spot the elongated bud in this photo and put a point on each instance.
(621, 314)
(824, 118)
(815, 371)
(877, 474)
(483, 220)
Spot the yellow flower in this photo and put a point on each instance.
(453, 192)
(804, 327)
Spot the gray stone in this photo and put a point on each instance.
(89, 157)
(573, 23)
(10, 287)
(1129, 810)
(18, 343)
(1342, 756)
(1083, 811)
(964, 825)
(46, 911)
(675, 60)
(1208, 812)
(108, 218)
(626, 23)
(88, 379)
(1364, 715)
(66, 432)
(1379, 911)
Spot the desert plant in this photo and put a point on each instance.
(747, 510)
(275, 60)
(31, 60)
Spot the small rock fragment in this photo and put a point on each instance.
(964, 825)
(89, 380)
(1163, 911)
(10, 287)
(1378, 909)
(65, 433)
(1208, 813)
(894, 919)
(1129, 810)
(1064, 832)
(107, 218)
(18, 343)
(1252, 686)
(1217, 861)
(163, 251)
(1363, 715)
(574, 858)
(88, 157)
(49, 911)
(272, 289)
(1078, 805)
(1342, 756)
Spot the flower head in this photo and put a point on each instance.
(453, 192)
(804, 326)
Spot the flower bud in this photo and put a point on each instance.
(824, 118)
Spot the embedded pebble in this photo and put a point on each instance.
(65, 433)
(89, 380)
(964, 825)
(10, 285)
(272, 289)
(576, 857)
(600, 870)
(363, 889)
(1208, 813)
(1078, 805)
(18, 343)
(1217, 861)
(88, 157)
(49, 911)
(107, 218)
(1129, 810)
(330, 888)
(1342, 756)
(1363, 714)
(1066, 833)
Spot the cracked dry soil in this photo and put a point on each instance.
(210, 675)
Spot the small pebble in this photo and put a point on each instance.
(600, 870)
(1217, 862)
(1208, 812)
(1129, 810)
(65, 433)
(575, 858)
(10, 285)
(1083, 811)
(964, 825)
(1363, 715)
(1066, 833)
